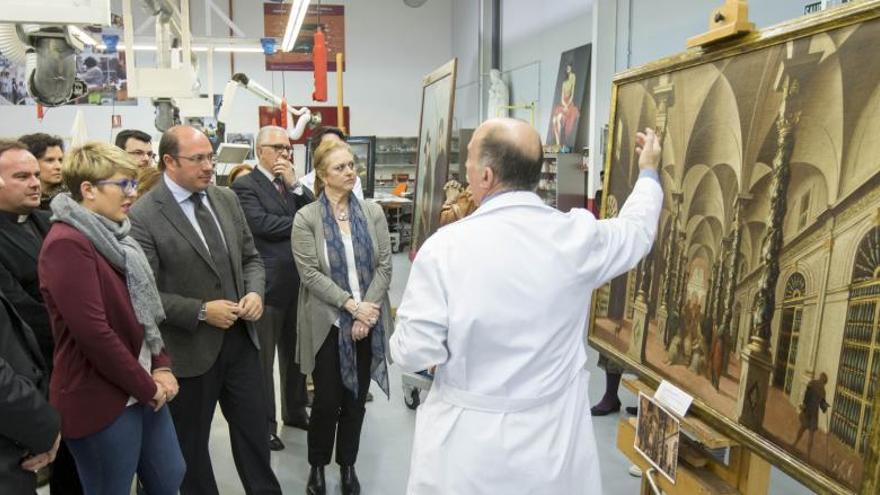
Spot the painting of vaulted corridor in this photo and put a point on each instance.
(762, 294)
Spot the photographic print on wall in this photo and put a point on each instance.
(572, 83)
(435, 127)
(762, 295)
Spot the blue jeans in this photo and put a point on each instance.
(139, 441)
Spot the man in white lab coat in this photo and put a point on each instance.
(498, 302)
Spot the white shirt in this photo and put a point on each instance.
(499, 301)
(350, 261)
(182, 196)
(308, 181)
(268, 173)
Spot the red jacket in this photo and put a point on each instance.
(97, 336)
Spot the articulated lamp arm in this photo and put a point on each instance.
(302, 117)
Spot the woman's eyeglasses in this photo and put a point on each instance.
(128, 186)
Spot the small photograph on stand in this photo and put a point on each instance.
(657, 433)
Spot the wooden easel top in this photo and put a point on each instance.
(695, 428)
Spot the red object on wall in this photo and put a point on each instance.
(319, 59)
(283, 114)
(272, 116)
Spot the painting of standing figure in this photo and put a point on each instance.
(761, 297)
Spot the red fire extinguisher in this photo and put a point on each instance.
(319, 59)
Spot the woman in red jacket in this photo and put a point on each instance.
(112, 376)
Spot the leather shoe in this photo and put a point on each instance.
(316, 485)
(275, 443)
(299, 419)
(604, 408)
(349, 481)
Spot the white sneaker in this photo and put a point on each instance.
(635, 471)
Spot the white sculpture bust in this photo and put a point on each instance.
(499, 96)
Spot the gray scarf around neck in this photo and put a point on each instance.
(111, 239)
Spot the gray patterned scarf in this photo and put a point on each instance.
(111, 239)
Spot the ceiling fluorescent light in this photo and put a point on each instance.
(298, 11)
(81, 35)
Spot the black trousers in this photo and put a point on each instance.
(236, 382)
(65, 479)
(277, 329)
(336, 413)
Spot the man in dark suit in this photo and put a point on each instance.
(29, 430)
(211, 281)
(23, 226)
(269, 204)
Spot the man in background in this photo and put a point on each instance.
(139, 145)
(269, 204)
(497, 302)
(49, 152)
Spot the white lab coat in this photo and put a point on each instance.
(499, 301)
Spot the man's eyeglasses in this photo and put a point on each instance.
(128, 186)
(278, 147)
(142, 154)
(200, 158)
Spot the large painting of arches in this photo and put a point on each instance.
(761, 296)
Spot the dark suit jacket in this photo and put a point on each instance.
(186, 275)
(18, 277)
(98, 338)
(270, 218)
(29, 424)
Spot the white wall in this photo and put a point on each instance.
(390, 47)
(465, 46)
(530, 56)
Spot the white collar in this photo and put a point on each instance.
(512, 198)
(268, 173)
(180, 193)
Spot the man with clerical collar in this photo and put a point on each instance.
(23, 226)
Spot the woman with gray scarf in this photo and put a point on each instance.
(113, 377)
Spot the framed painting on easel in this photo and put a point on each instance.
(761, 297)
(435, 127)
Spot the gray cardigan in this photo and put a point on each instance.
(320, 299)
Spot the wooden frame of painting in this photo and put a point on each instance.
(761, 297)
(432, 163)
